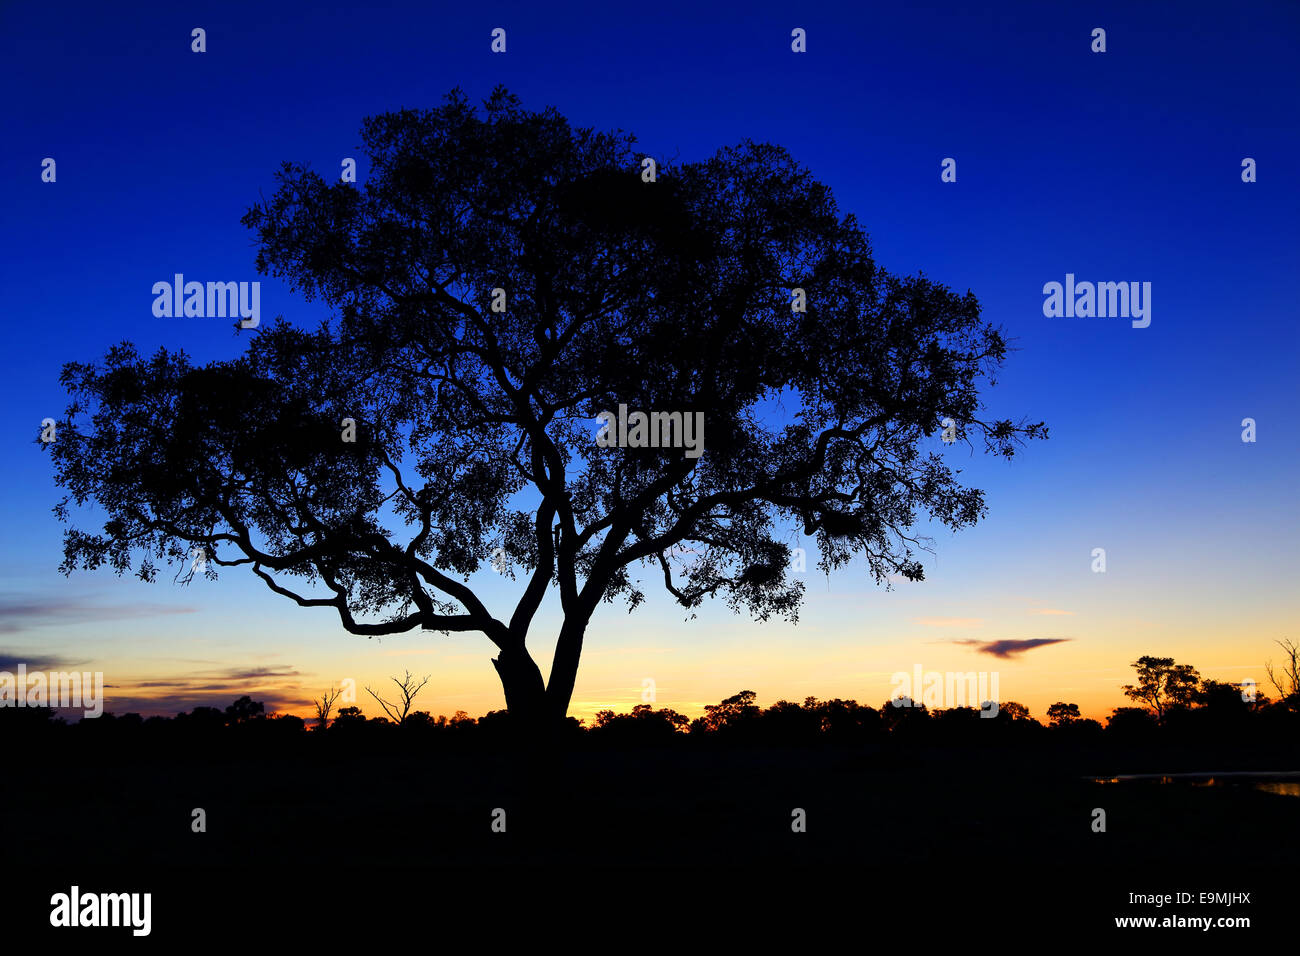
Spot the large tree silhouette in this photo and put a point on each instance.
(475, 429)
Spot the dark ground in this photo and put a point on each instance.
(1004, 836)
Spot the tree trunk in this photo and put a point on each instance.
(522, 681)
(536, 708)
(564, 667)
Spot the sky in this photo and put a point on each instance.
(1117, 166)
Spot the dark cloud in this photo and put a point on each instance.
(222, 677)
(277, 687)
(1012, 647)
(255, 673)
(9, 661)
(19, 614)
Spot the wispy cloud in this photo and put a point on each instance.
(1052, 612)
(9, 661)
(279, 688)
(19, 614)
(1012, 647)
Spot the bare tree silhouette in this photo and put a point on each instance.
(1288, 683)
(408, 689)
(324, 706)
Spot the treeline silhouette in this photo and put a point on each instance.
(1215, 714)
(944, 786)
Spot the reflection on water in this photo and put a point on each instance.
(1286, 784)
(1288, 789)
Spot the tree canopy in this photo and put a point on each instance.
(498, 280)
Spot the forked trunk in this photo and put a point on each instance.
(534, 706)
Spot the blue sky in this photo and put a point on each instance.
(1117, 166)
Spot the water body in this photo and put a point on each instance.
(1285, 783)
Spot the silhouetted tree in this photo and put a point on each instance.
(730, 714)
(1221, 697)
(325, 706)
(243, 710)
(286, 726)
(1163, 684)
(1014, 711)
(499, 280)
(959, 725)
(1218, 718)
(1135, 722)
(1220, 711)
(348, 718)
(408, 688)
(419, 720)
(788, 723)
(846, 721)
(904, 716)
(1287, 678)
(643, 725)
(1062, 713)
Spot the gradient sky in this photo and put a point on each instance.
(1116, 166)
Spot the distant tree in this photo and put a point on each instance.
(1221, 709)
(419, 719)
(730, 713)
(644, 713)
(324, 706)
(958, 723)
(1221, 696)
(1163, 684)
(1130, 721)
(349, 717)
(407, 688)
(201, 718)
(643, 724)
(787, 722)
(904, 715)
(288, 724)
(244, 710)
(1287, 678)
(500, 280)
(1061, 713)
(496, 726)
(1014, 711)
(844, 721)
